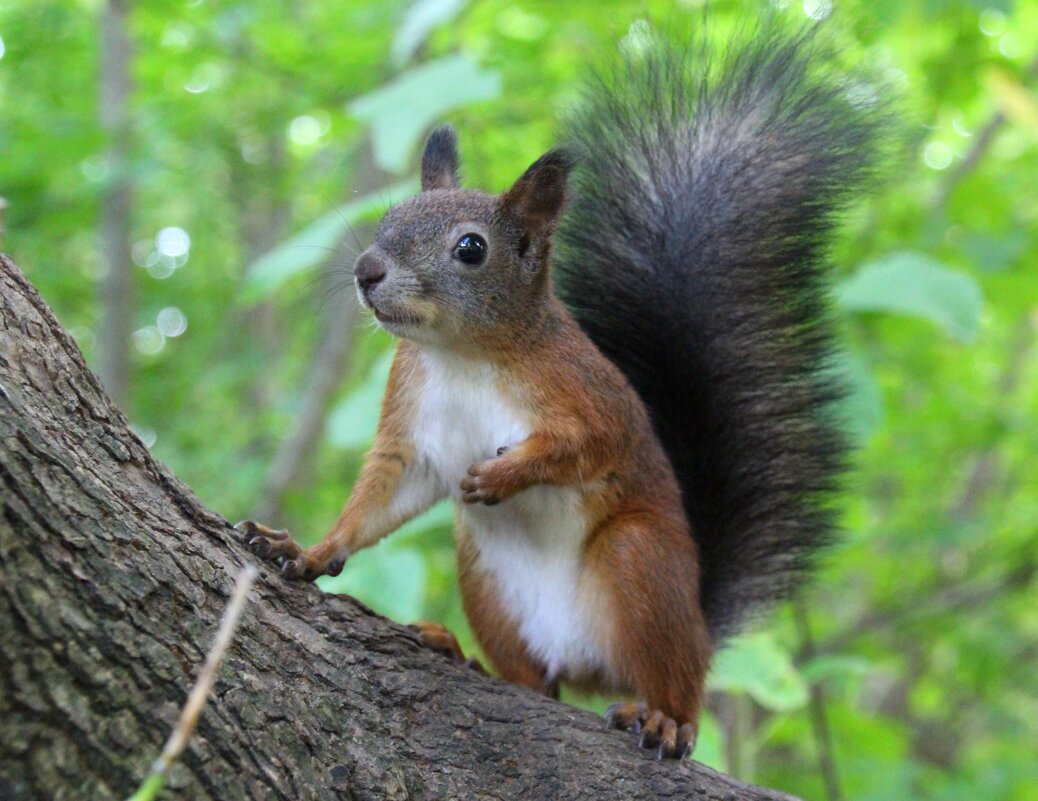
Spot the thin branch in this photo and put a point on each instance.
(201, 691)
(981, 145)
(816, 706)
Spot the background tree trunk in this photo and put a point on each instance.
(112, 581)
(294, 459)
(118, 299)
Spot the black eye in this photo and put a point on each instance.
(471, 249)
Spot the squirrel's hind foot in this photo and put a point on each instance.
(656, 729)
(440, 639)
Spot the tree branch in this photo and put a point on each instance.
(980, 147)
(112, 577)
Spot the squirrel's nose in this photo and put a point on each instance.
(369, 271)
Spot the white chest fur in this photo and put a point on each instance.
(462, 417)
(530, 544)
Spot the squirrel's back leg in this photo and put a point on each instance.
(495, 631)
(648, 568)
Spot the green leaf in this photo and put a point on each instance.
(317, 242)
(352, 423)
(835, 666)
(995, 253)
(755, 664)
(401, 111)
(917, 285)
(862, 410)
(421, 19)
(390, 579)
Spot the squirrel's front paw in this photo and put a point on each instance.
(277, 545)
(488, 483)
(268, 543)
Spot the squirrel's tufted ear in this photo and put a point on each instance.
(538, 196)
(440, 160)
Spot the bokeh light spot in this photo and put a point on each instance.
(638, 38)
(304, 130)
(85, 337)
(171, 321)
(149, 340)
(173, 242)
(94, 169)
(938, 155)
(818, 9)
(142, 251)
(1009, 45)
(862, 95)
(992, 22)
(177, 36)
(149, 436)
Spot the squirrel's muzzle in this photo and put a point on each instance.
(369, 271)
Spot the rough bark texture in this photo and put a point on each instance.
(112, 581)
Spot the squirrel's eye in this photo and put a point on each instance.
(471, 249)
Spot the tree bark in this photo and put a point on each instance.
(112, 581)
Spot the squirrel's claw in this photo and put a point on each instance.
(656, 730)
(489, 482)
(626, 716)
(276, 545)
(475, 487)
(266, 542)
(303, 568)
(294, 569)
(260, 546)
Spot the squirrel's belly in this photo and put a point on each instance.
(531, 547)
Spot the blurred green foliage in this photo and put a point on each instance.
(253, 122)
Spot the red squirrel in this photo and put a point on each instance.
(624, 398)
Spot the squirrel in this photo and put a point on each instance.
(625, 392)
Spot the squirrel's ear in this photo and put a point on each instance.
(440, 160)
(538, 196)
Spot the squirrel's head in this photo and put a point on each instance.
(452, 265)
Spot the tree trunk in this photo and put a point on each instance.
(112, 580)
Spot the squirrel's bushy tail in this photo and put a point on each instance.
(693, 254)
